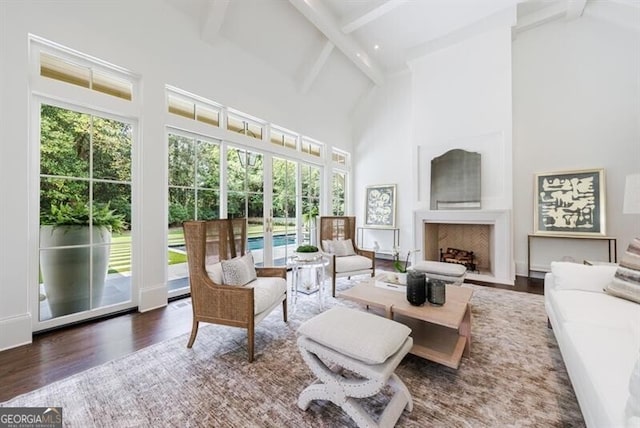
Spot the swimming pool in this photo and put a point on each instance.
(257, 243)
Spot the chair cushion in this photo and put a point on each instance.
(440, 268)
(343, 247)
(366, 337)
(214, 271)
(239, 270)
(353, 263)
(266, 291)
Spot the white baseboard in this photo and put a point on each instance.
(15, 331)
(151, 298)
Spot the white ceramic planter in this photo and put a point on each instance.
(307, 256)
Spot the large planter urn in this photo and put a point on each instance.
(67, 273)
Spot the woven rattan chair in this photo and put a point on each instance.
(344, 228)
(209, 242)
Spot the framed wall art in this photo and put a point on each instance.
(569, 203)
(380, 206)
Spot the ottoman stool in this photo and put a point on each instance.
(449, 272)
(365, 344)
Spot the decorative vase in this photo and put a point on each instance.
(416, 288)
(402, 278)
(436, 291)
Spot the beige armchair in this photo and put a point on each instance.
(342, 261)
(210, 242)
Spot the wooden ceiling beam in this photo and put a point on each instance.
(369, 14)
(324, 21)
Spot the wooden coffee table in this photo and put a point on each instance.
(440, 333)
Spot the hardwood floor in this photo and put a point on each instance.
(61, 353)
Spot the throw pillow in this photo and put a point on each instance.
(343, 247)
(327, 245)
(574, 276)
(626, 283)
(239, 270)
(214, 271)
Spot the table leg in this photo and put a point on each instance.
(465, 330)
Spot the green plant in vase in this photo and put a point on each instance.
(75, 245)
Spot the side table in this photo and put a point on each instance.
(316, 266)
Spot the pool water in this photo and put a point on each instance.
(257, 243)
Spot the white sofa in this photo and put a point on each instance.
(599, 338)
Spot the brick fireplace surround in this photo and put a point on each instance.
(435, 228)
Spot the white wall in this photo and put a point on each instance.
(576, 90)
(462, 99)
(149, 38)
(384, 155)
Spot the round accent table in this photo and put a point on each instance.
(315, 267)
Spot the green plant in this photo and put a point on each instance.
(77, 213)
(398, 265)
(307, 249)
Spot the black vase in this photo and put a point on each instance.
(436, 291)
(416, 288)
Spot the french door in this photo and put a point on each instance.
(85, 200)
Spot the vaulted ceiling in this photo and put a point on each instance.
(366, 41)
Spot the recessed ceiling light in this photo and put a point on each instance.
(376, 47)
(358, 54)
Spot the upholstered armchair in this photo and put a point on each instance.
(226, 288)
(337, 241)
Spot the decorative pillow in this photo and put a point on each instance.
(369, 338)
(574, 276)
(626, 283)
(327, 245)
(239, 270)
(214, 271)
(343, 247)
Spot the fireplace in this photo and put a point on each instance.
(485, 232)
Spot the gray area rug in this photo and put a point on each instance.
(515, 377)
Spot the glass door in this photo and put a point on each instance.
(85, 215)
(310, 203)
(284, 203)
(245, 197)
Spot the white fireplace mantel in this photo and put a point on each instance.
(501, 247)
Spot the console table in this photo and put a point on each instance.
(611, 246)
(360, 236)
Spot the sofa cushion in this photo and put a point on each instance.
(633, 403)
(266, 291)
(597, 309)
(600, 361)
(574, 276)
(239, 270)
(353, 263)
(343, 247)
(369, 338)
(626, 283)
(327, 246)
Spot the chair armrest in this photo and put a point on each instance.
(272, 271)
(366, 253)
(218, 301)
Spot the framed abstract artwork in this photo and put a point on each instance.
(380, 206)
(569, 203)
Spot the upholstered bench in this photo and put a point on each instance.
(449, 272)
(367, 345)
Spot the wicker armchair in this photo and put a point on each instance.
(344, 228)
(209, 242)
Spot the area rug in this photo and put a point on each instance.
(515, 377)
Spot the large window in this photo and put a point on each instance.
(85, 211)
(194, 194)
(338, 194)
(310, 189)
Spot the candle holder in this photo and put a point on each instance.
(436, 291)
(416, 288)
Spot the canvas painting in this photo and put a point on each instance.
(570, 203)
(380, 206)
